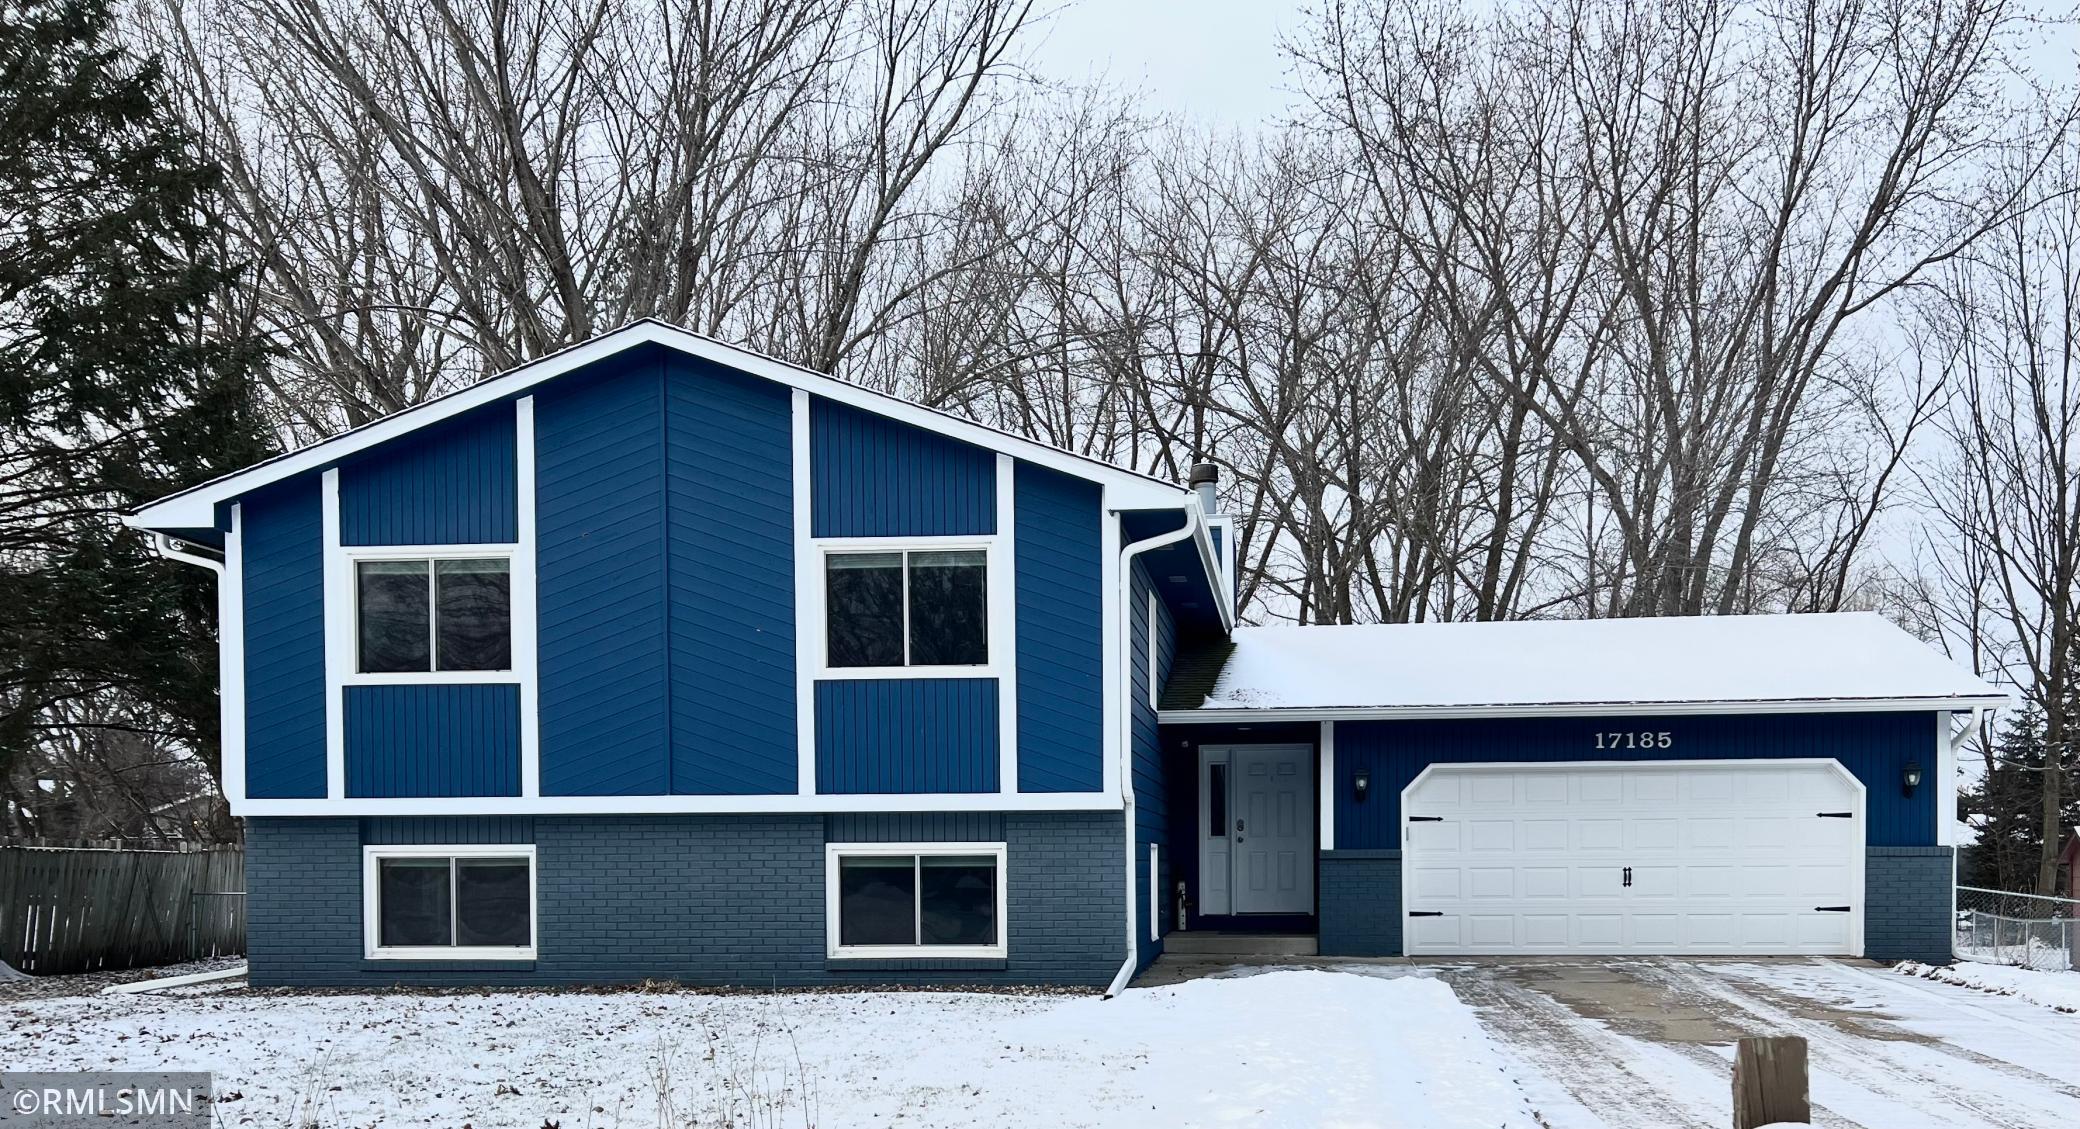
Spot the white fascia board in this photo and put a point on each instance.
(196, 507)
(780, 804)
(1570, 709)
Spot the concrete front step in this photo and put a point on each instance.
(1192, 943)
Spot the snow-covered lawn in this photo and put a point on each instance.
(1290, 1048)
(2059, 990)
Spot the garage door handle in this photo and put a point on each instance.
(1838, 815)
(1628, 876)
(1426, 819)
(1830, 909)
(1426, 913)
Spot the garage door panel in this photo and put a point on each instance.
(1599, 834)
(1731, 857)
(1544, 881)
(1657, 834)
(1599, 788)
(1434, 884)
(1711, 834)
(1491, 835)
(1654, 787)
(1491, 882)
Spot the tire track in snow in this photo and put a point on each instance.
(1591, 1063)
(1851, 1062)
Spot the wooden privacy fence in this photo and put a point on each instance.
(71, 909)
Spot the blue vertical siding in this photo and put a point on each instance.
(448, 484)
(914, 827)
(447, 830)
(1061, 693)
(600, 561)
(730, 539)
(906, 735)
(1875, 747)
(1152, 638)
(283, 552)
(875, 477)
(457, 740)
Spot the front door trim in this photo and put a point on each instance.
(1217, 858)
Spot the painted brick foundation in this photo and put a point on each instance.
(1360, 910)
(1907, 895)
(701, 899)
(1906, 916)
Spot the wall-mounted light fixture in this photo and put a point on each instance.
(1361, 784)
(1911, 778)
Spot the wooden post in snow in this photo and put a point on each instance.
(1769, 1082)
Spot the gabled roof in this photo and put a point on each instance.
(1691, 664)
(195, 508)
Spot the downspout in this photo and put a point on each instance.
(1192, 519)
(174, 550)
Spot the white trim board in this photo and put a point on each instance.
(196, 507)
(786, 803)
(231, 661)
(1572, 709)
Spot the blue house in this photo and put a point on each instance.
(657, 658)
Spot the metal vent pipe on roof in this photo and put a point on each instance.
(1205, 478)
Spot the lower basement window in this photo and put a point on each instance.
(449, 903)
(915, 900)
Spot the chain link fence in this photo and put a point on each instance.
(2028, 930)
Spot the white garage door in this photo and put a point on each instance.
(1685, 858)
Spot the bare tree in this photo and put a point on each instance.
(2004, 323)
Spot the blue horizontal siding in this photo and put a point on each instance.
(449, 484)
(1061, 656)
(461, 740)
(875, 477)
(284, 593)
(600, 580)
(729, 456)
(906, 735)
(1874, 747)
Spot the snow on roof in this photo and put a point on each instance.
(1845, 658)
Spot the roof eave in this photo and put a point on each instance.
(196, 506)
(1227, 716)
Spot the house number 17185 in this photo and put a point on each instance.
(1643, 740)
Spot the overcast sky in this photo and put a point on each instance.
(1215, 62)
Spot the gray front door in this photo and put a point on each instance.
(1272, 828)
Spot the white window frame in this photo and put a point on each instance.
(371, 899)
(353, 556)
(999, 604)
(833, 852)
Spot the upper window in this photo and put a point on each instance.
(450, 902)
(912, 608)
(434, 614)
(940, 899)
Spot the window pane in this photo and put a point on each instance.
(1217, 800)
(877, 900)
(475, 617)
(412, 898)
(393, 615)
(491, 902)
(866, 608)
(948, 617)
(957, 900)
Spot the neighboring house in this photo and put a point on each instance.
(656, 658)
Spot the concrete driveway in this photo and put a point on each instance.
(1622, 1043)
